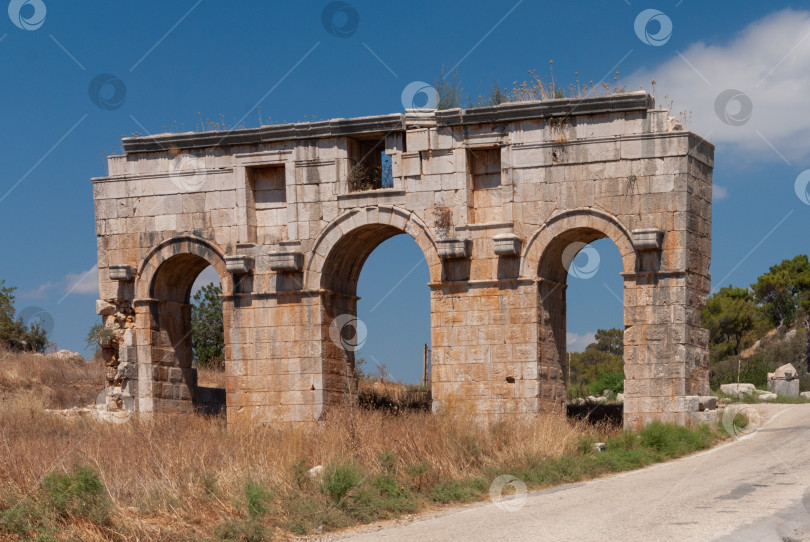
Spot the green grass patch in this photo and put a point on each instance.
(448, 491)
(627, 451)
(349, 494)
(59, 498)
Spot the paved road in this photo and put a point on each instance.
(756, 489)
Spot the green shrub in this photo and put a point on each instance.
(421, 474)
(79, 493)
(306, 513)
(672, 440)
(339, 479)
(256, 498)
(24, 516)
(613, 381)
(388, 462)
(300, 472)
(382, 497)
(241, 530)
(446, 491)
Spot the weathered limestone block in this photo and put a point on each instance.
(239, 265)
(788, 388)
(737, 389)
(451, 249)
(122, 272)
(784, 381)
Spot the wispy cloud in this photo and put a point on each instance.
(577, 342)
(768, 62)
(719, 192)
(84, 283)
(40, 292)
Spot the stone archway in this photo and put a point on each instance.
(388, 220)
(548, 255)
(510, 188)
(334, 270)
(664, 372)
(167, 378)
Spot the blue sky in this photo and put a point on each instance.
(187, 60)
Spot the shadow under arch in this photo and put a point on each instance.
(163, 298)
(334, 270)
(548, 256)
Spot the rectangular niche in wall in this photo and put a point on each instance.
(267, 212)
(485, 170)
(369, 165)
(269, 186)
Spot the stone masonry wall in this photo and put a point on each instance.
(495, 198)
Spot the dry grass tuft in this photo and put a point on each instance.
(57, 383)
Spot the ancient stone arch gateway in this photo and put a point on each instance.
(494, 197)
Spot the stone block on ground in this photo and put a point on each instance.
(708, 402)
(788, 388)
(737, 389)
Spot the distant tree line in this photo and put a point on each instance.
(15, 334)
(599, 367)
(737, 317)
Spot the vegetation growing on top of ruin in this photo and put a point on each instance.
(98, 335)
(451, 93)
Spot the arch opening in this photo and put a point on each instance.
(185, 286)
(387, 327)
(594, 362)
(580, 267)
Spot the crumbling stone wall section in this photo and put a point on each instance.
(499, 200)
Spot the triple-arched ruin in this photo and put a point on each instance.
(498, 199)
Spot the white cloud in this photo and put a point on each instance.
(40, 292)
(769, 62)
(577, 342)
(73, 283)
(82, 283)
(719, 192)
